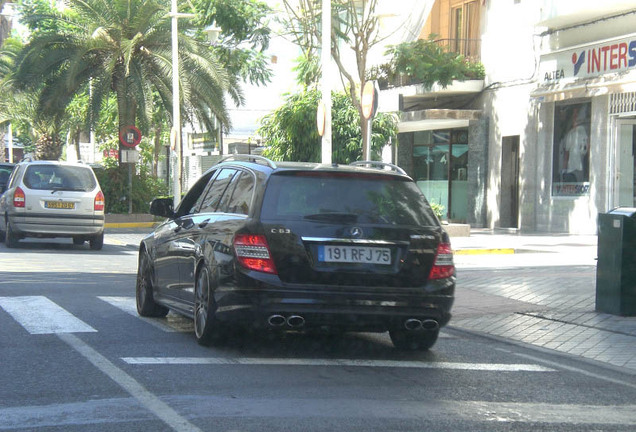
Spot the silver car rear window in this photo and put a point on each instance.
(59, 177)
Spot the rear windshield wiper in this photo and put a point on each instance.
(71, 189)
(333, 216)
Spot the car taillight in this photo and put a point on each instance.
(253, 253)
(99, 201)
(18, 198)
(443, 266)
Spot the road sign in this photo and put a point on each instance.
(320, 118)
(129, 136)
(369, 99)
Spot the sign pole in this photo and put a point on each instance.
(325, 60)
(369, 102)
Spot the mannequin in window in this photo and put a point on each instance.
(575, 145)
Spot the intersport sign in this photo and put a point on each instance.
(590, 60)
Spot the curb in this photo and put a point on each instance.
(500, 251)
(130, 224)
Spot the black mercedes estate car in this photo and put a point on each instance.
(300, 246)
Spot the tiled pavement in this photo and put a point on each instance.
(543, 295)
(532, 289)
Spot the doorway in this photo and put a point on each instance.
(509, 207)
(626, 163)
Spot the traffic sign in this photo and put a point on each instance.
(321, 118)
(129, 136)
(369, 99)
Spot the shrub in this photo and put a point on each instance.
(114, 183)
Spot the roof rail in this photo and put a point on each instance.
(250, 158)
(380, 165)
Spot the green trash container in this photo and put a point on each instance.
(616, 266)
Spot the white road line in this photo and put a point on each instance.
(172, 323)
(575, 369)
(497, 367)
(39, 315)
(128, 383)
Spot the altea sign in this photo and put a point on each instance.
(589, 61)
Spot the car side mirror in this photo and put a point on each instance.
(162, 207)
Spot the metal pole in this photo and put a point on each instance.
(367, 140)
(325, 60)
(176, 109)
(10, 143)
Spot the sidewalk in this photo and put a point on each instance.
(538, 290)
(531, 289)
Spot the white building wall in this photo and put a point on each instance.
(516, 34)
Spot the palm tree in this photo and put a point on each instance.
(123, 46)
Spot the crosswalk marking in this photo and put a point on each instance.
(501, 367)
(172, 323)
(39, 315)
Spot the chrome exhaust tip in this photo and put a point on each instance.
(430, 324)
(413, 324)
(295, 321)
(276, 320)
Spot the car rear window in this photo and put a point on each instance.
(59, 177)
(346, 197)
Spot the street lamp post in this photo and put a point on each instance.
(176, 102)
(326, 81)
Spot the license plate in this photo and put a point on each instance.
(59, 205)
(354, 254)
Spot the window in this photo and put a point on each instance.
(465, 28)
(242, 196)
(59, 177)
(348, 198)
(571, 150)
(192, 200)
(215, 192)
(440, 168)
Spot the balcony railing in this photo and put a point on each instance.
(469, 48)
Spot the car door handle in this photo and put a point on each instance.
(204, 223)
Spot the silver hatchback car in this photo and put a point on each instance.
(53, 199)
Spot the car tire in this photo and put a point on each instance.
(97, 242)
(144, 292)
(413, 340)
(207, 329)
(11, 238)
(78, 241)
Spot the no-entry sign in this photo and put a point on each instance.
(129, 136)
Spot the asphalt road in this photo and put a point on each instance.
(76, 357)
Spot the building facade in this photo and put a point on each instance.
(546, 142)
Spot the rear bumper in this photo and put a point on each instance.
(347, 308)
(59, 226)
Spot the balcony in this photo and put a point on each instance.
(430, 63)
(469, 48)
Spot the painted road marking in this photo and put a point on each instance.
(472, 415)
(172, 323)
(496, 367)
(39, 315)
(147, 399)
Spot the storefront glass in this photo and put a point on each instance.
(440, 165)
(571, 150)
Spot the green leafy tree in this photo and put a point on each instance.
(243, 36)
(290, 132)
(122, 46)
(354, 30)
